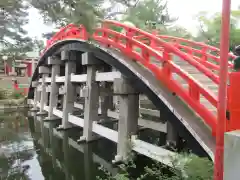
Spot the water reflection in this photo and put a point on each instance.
(33, 149)
(15, 145)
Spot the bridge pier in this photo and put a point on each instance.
(91, 95)
(70, 58)
(54, 63)
(172, 136)
(106, 100)
(44, 71)
(128, 117)
(36, 98)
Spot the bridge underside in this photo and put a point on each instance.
(91, 86)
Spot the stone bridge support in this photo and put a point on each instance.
(91, 95)
(37, 95)
(44, 72)
(69, 58)
(54, 63)
(128, 116)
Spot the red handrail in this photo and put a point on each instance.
(127, 45)
(192, 47)
(68, 32)
(162, 51)
(184, 56)
(200, 46)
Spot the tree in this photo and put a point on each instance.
(210, 28)
(155, 11)
(13, 16)
(64, 12)
(178, 31)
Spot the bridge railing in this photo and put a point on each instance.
(68, 32)
(143, 47)
(208, 55)
(143, 36)
(143, 53)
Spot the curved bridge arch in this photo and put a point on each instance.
(180, 77)
(188, 124)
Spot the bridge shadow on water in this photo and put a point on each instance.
(33, 149)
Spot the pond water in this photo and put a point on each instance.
(31, 149)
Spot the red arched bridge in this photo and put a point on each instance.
(87, 81)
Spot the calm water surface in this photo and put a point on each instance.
(31, 149)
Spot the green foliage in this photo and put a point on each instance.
(210, 28)
(149, 11)
(78, 12)
(184, 167)
(13, 39)
(13, 16)
(199, 169)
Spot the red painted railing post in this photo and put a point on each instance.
(129, 34)
(145, 55)
(104, 26)
(204, 54)
(222, 94)
(166, 69)
(233, 102)
(152, 41)
(194, 92)
(190, 51)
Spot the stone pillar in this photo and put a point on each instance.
(70, 58)
(54, 87)
(44, 71)
(91, 94)
(231, 155)
(36, 95)
(106, 100)
(172, 136)
(128, 117)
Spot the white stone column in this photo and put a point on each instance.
(172, 136)
(55, 63)
(232, 155)
(36, 95)
(91, 94)
(128, 117)
(106, 100)
(69, 57)
(44, 71)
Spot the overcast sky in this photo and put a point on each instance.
(185, 10)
